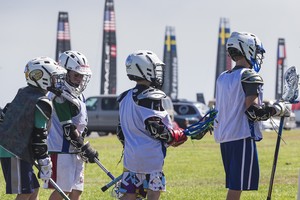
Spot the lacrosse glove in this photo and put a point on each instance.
(281, 109)
(178, 137)
(88, 154)
(45, 168)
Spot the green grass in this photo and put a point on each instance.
(195, 171)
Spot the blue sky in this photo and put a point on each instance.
(28, 29)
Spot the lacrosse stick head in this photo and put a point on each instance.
(291, 86)
(200, 128)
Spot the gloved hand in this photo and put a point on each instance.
(281, 109)
(178, 137)
(88, 154)
(45, 169)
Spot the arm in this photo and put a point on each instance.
(42, 116)
(159, 131)
(251, 81)
(65, 110)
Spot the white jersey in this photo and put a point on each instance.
(142, 153)
(56, 141)
(231, 122)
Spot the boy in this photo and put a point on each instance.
(145, 128)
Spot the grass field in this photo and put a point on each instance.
(194, 171)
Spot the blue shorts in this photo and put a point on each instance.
(241, 166)
(19, 176)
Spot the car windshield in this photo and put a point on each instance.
(91, 103)
(110, 104)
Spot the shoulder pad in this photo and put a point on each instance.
(250, 76)
(152, 93)
(45, 107)
(71, 98)
(121, 96)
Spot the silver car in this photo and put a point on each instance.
(103, 113)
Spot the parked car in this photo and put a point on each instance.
(188, 112)
(103, 113)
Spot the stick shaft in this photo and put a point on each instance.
(114, 181)
(275, 158)
(103, 168)
(57, 188)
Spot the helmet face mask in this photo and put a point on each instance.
(145, 65)
(79, 72)
(247, 45)
(158, 81)
(44, 73)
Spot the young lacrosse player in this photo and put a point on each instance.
(69, 120)
(24, 129)
(240, 110)
(145, 128)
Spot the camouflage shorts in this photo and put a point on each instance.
(139, 183)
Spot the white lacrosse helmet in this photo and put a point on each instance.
(45, 73)
(145, 65)
(247, 45)
(77, 62)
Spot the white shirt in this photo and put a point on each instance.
(142, 153)
(231, 122)
(56, 141)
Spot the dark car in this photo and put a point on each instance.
(188, 112)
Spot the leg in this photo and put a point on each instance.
(233, 195)
(56, 196)
(20, 179)
(66, 177)
(156, 184)
(32, 196)
(128, 196)
(153, 195)
(35, 195)
(23, 196)
(75, 195)
(241, 166)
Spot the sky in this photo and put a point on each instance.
(28, 30)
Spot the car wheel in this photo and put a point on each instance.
(102, 133)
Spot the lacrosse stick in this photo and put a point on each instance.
(114, 180)
(200, 128)
(298, 194)
(290, 95)
(57, 188)
(103, 168)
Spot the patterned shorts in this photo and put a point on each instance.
(136, 183)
